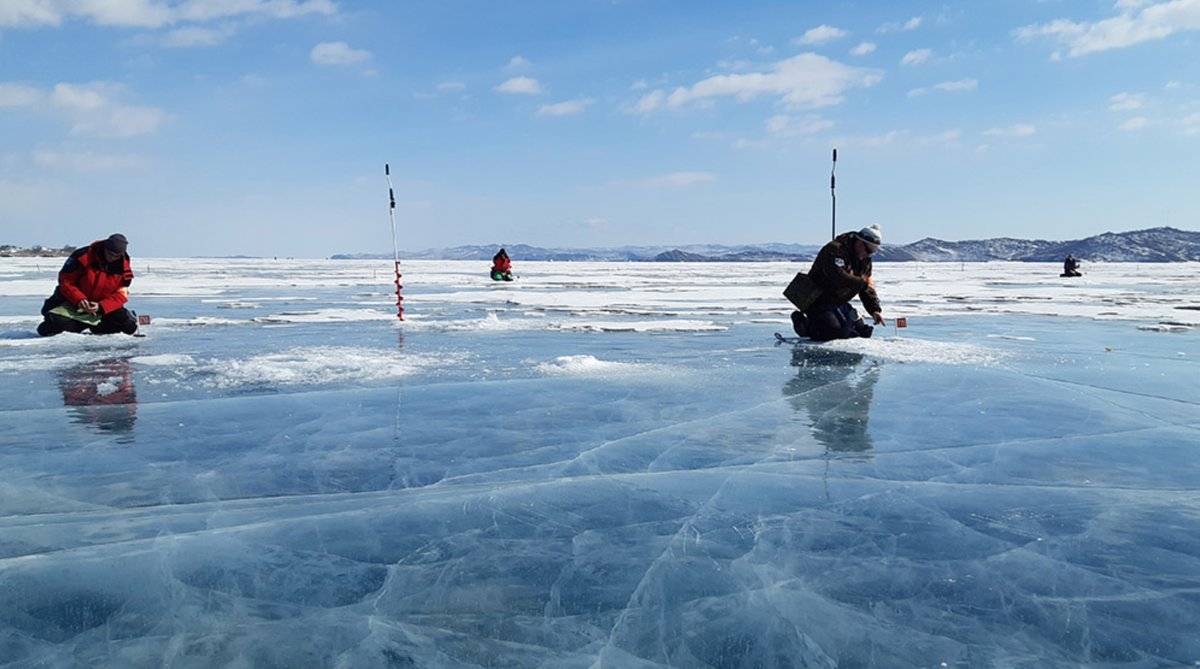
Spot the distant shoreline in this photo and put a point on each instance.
(1162, 244)
(8, 251)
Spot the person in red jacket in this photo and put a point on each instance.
(93, 286)
(501, 267)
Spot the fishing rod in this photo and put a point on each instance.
(833, 194)
(387, 171)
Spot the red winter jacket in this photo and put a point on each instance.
(501, 263)
(86, 276)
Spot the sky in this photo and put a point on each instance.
(262, 127)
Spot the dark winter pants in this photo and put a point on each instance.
(118, 321)
(836, 322)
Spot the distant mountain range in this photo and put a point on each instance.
(1151, 245)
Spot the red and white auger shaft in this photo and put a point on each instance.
(395, 247)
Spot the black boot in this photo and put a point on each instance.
(800, 324)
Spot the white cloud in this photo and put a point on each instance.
(337, 53)
(133, 13)
(517, 63)
(895, 27)
(782, 125)
(205, 10)
(120, 122)
(451, 86)
(92, 109)
(1126, 101)
(565, 108)
(744, 143)
(820, 35)
(28, 13)
(1135, 123)
(1173, 85)
(1137, 22)
(151, 13)
(960, 85)
(947, 87)
(916, 57)
(805, 81)
(1191, 124)
(862, 49)
(1017, 130)
(85, 161)
(676, 180)
(652, 101)
(193, 36)
(520, 86)
(594, 224)
(88, 97)
(902, 138)
(19, 95)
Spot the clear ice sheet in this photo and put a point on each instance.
(614, 467)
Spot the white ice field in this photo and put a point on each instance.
(602, 465)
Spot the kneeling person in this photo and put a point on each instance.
(501, 267)
(842, 269)
(93, 287)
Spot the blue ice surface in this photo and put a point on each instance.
(227, 495)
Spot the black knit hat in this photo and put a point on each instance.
(116, 243)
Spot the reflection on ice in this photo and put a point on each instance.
(602, 466)
(101, 394)
(835, 395)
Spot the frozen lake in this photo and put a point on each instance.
(602, 465)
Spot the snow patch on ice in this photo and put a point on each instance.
(589, 365)
(19, 320)
(326, 316)
(1165, 327)
(164, 360)
(197, 321)
(316, 365)
(642, 326)
(492, 323)
(1012, 337)
(920, 350)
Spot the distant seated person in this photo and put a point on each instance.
(841, 270)
(1071, 267)
(93, 286)
(501, 267)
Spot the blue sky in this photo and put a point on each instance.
(261, 127)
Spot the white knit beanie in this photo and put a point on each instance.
(871, 235)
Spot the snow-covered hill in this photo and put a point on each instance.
(1152, 245)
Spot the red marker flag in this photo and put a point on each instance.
(143, 319)
(901, 322)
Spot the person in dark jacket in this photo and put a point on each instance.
(1071, 267)
(841, 270)
(93, 287)
(501, 267)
